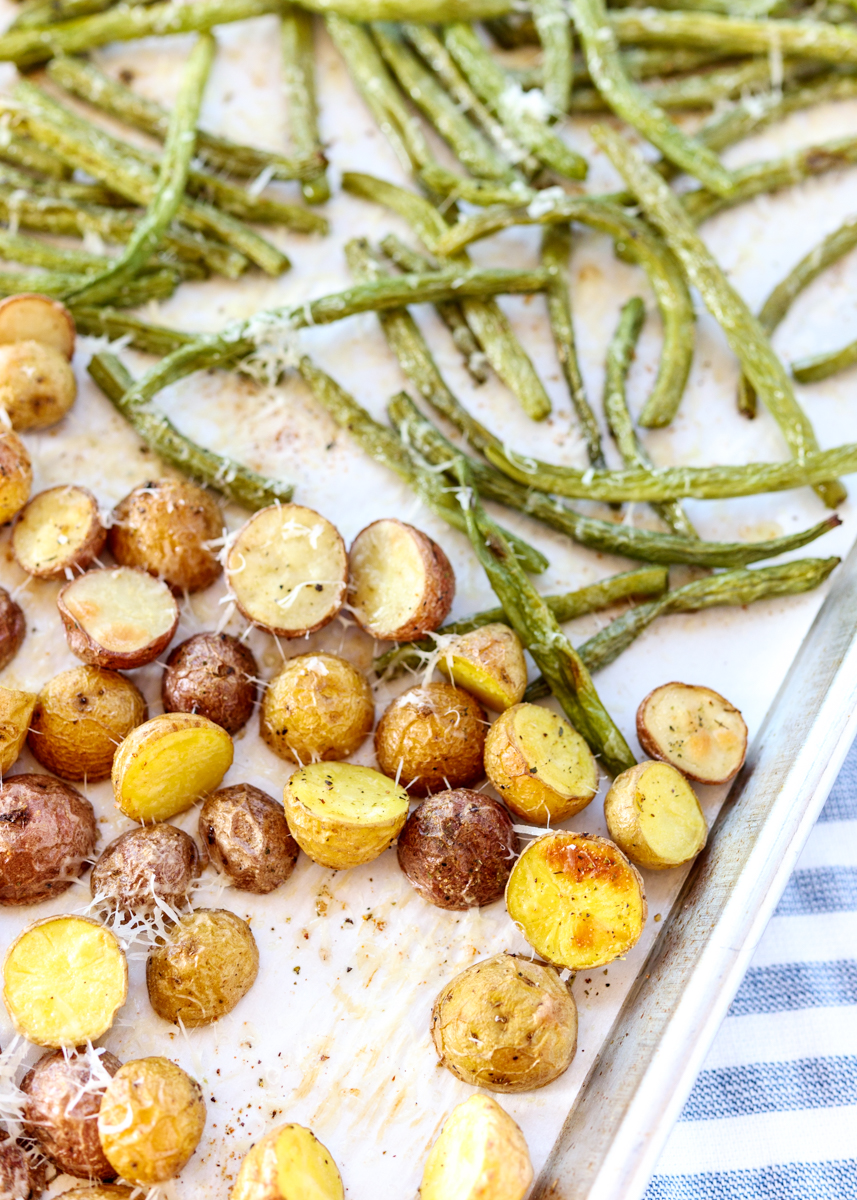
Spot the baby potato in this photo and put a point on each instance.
(81, 717)
(653, 815)
(16, 475)
(577, 900)
(247, 837)
(150, 1121)
(156, 861)
(489, 663)
(212, 674)
(101, 1191)
(60, 530)
(167, 764)
(61, 1111)
(480, 1154)
(64, 980)
(540, 764)
(343, 815)
(287, 569)
(16, 709)
(288, 1163)
(401, 583)
(47, 833)
(507, 1024)
(431, 737)
(208, 962)
(318, 708)
(13, 626)
(695, 730)
(165, 527)
(37, 385)
(19, 1178)
(117, 618)
(457, 849)
(30, 317)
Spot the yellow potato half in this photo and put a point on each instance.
(654, 816)
(64, 980)
(694, 729)
(16, 474)
(16, 709)
(31, 317)
(577, 900)
(540, 764)
(343, 815)
(167, 764)
(59, 530)
(480, 1154)
(489, 663)
(289, 1163)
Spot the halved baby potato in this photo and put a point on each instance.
(37, 384)
(30, 317)
(288, 569)
(654, 816)
(343, 815)
(118, 617)
(695, 729)
(64, 980)
(13, 625)
(167, 764)
(489, 663)
(288, 1163)
(319, 707)
(540, 764)
(59, 530)
(16, 710)
(480, 1154)
(577, 900)
(16, 475)
(401, 583)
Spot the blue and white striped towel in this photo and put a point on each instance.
(773, 1114)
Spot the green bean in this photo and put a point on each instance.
(158, 284)
(603, 536)
(637, 63)
(31, 252)
(451, 314)
(822, 366)
(493, 331)
(410, 10)
(89, 193)
(236, 483)
(554, 29)
(619, 356)
(34, 13)
(744, 333)
(637, 241)
(507, 102)
(23, 152)
(730, 588)
(632, 585)
(513, 30)
(298, 45)
(84, 79)
(555, 253)
(172, 178)
(540, 633)
(112, 324)
(631, 103)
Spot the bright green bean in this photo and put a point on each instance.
(298, 43)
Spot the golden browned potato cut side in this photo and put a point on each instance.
(654, 816)
(16, 474)
(489, 663)
(401, 583)
(695, 729)
(60, 530)
(480, 1154)
(118, 618)
(31, 317)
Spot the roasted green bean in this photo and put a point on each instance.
(22, 152)
(553, 26)
(112, 324)
(822, 366)
(298, 42)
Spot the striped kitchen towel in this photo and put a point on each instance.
(773, 1114)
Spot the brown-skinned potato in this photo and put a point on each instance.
(118, 617)
(16, 711)
(506, 1023)
(157, 860)
(61, 1111)
(165, 527)
(247, 838)
(31, 317)
(401, 583)
(695, 730)
(20, 1179)
(457, 849)
(37, 385)
(59, 531)
(213, 674)
(317, 709)
(81, 716)
(16, 475)
(47, 834)
(13, 626)
(432, 737)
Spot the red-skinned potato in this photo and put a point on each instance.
(401, 583)
(247, 837)
(47, 834)
(143, 866)
(13, 628)
(60, 530)
(118, 617)
(212, 674)
(63, 1097)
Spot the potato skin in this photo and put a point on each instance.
(13, 625)
(16, 475)
(47, 833)
(162, 527)
(81, 716)
(433, 736)
(37, 384)
(247, 837)
(156, 859)
(434, 602)
(19, 1179)
(318, 709)
(507, 1024)
(260, 1174)
(209, 962)
(457, 849)
(212, 674)
(489, 663)
(62, 1117)
(167, 1114)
